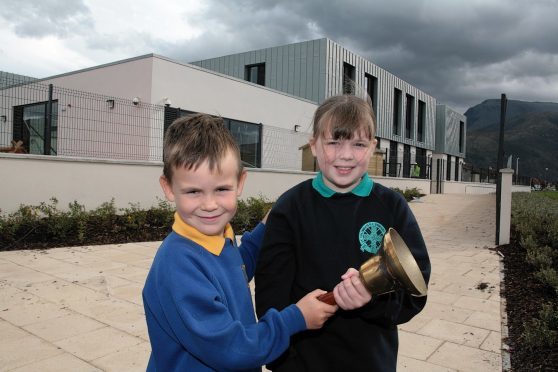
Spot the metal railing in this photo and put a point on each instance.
(51, 120)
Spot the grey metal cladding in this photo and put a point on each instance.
(314, 70)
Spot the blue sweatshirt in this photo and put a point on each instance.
(198, 305)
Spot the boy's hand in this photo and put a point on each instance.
(351, 293)
(315, 312)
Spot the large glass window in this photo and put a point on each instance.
(393, 164)
(30, 126)
(420, 159)
(247, 135)
(255, 73)
(406, 161)
(448, 168)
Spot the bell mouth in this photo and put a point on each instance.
(402, 265)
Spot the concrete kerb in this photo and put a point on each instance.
(506, 359)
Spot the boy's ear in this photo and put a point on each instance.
(167, 188)
(241, 181)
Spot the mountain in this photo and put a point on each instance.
(530, 133)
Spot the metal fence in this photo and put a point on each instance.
(52, 120)
(45, 119)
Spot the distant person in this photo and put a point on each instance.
(416, 171)
(197, 301)
(321, 230)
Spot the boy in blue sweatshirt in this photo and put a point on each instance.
(197, 301)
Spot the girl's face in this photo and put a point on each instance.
(342, 162)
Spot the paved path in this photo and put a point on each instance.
(79, 308)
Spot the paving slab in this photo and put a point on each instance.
(80, 308)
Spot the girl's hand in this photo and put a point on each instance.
(351, 293)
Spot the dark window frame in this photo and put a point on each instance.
(392, 159)
(173, 113)
(397, 97)
(259, 69)
(21, 131)
(409, 115)
(421, 118)
(349, 72)
(461, 136)
(448, 168)
(372, 89)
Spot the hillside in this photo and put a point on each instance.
(531, 133)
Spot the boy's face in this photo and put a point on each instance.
(205, 199)
(342, 161)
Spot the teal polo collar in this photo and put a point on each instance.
(364, 187)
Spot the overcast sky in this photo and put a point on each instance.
(459, 51)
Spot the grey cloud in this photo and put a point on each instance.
(41, 18)
(441, 47)
(460, 52)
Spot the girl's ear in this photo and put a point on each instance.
(312, 143)
(167, 188)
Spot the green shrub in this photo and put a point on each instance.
(409, 194)
(540, 257)
(249, 213)
(541, 331)
(46, 226)
(549, 277)
(535, 225)
(536, 216)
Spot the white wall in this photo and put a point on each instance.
(196, 89)
(32, 179)
(125, 79)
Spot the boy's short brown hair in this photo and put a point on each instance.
(192, 139)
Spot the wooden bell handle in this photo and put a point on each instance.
(328, 298)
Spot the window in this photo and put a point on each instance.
(409, 115)
(420, 159)
(248, 136)
(461, 135)
(255, 73)
(396, 110)
(448, 168)
(372, 89)
(348, 79)
(406, 161)
(421, 118)
(456, 177)
(30, 126)
(393, 165)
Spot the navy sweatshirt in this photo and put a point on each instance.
(313, 235)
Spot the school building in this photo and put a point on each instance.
(118, 112)
(412, 127)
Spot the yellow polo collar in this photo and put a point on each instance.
(212, 243)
